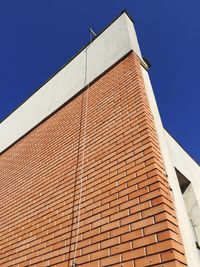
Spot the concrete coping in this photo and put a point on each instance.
(112, 44)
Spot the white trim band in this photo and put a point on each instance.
(109, 47)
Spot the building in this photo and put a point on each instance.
(89, 176)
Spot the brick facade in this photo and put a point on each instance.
(127, 214)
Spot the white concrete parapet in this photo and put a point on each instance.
(109, 47)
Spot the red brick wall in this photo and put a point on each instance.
(127, 215)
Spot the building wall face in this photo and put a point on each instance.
(127, 215)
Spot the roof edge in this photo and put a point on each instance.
(70, 78)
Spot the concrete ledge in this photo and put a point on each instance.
(109, 47)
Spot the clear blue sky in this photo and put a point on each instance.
(39, 36)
